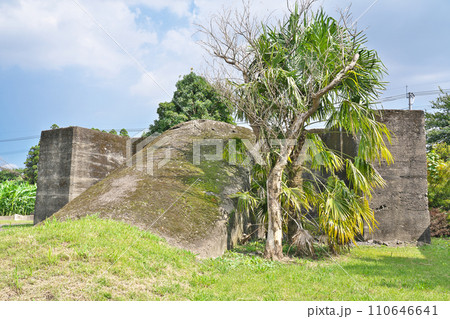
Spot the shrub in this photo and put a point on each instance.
(9, 175)
(438, 167)
(17, 197)
(439, 225)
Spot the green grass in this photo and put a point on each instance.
(10, 222)
(95, 259)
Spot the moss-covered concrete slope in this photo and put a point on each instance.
(161, 190)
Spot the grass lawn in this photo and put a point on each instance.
(10, 222)
(94, 259)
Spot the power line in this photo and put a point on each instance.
(420, 93)
(33, 137)
(135, 129)
(431, 92)
(14, 152)
(385, 99)
(21, 138)
(392, 98)
(5, 166)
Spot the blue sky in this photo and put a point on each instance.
(58, 66)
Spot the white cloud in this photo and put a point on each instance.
(157, 85)
(177, 54)
(180, 42)
(429, 78)
(260, 8)
(178, 51)
(9, 166)
(53, 35)
(56, 34)
(179, 7)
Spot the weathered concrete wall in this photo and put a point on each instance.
(401, 207)
(71, 160)
(53, 185)
(94, 155)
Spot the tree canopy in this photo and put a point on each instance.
(437, 123)
(10, 174)
(123, 132)
(438, 169)
(194, 99)
(31, 165)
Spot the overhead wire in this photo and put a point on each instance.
(385, 99)
(20, 138)
(419, 93)
(33, 137)
(14, 152)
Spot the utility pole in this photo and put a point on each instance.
(410, 96)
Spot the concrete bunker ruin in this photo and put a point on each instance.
(75, 159)
(71, 160)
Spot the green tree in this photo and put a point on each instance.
(123, 132)
(438, 169)
(437, 124)
(308, 68)
(443, 150)
(194, 99)
(31, 165)
(30, 173)
(10, 174)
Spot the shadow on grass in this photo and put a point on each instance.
(15, 226)
(392, 271)
(385, 267)
(256, 248)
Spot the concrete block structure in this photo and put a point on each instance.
(401, 207)
(71, 160)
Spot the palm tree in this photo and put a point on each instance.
(310, 68)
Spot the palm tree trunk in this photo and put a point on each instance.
(274, 248)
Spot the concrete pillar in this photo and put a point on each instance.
(401, 207)
(71, 160)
